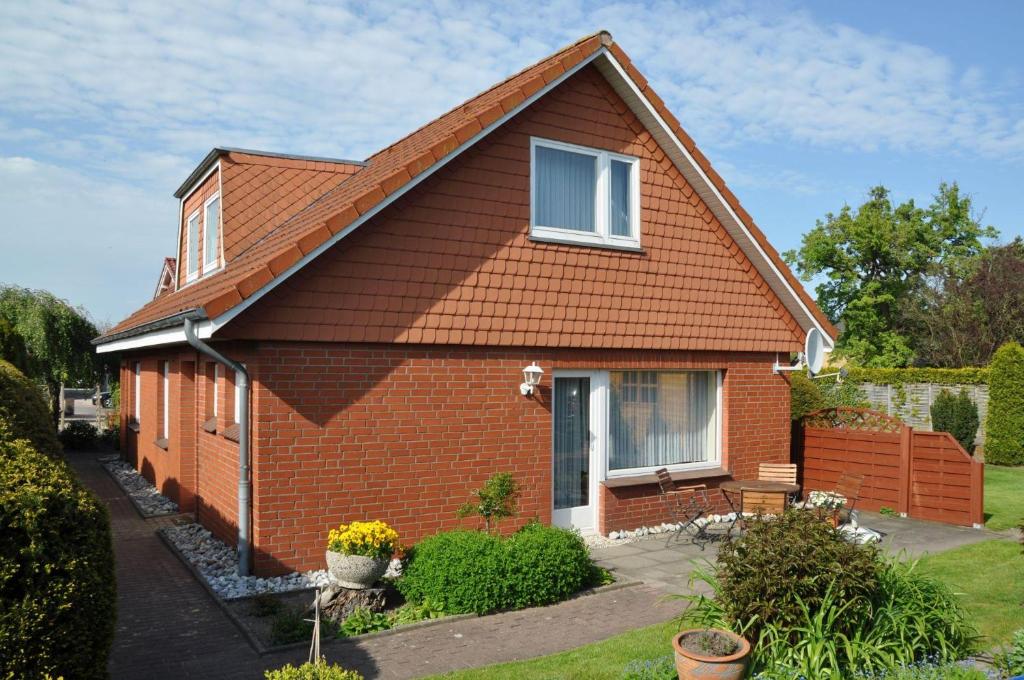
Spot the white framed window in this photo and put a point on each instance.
(137, 391)
(192, 248)
(211, 233)
(216, 387)
(583, 195)
(658, 419)
(165, 370)
(238, 396)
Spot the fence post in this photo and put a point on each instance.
(977, 494)
(906, 439)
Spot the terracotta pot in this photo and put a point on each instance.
(355, 571)
(691, 665)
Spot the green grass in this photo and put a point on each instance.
(989, 577)
(600, 661)
(1004, 497)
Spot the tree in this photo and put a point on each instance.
(1004, 425)
(56, 338)
(872, 257)
(961, 317)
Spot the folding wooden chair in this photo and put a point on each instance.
(762, 502)
(778, 472)
(685, 505)
(849, 486)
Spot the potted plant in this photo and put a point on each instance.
(358, 553)
(711, 654)
(828, 503)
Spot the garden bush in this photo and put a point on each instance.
(957, 415)
(846, 612)
(471, 571)
(57, 590)
(24, 409)
(804, 396)
(319, 670)
(79, 435)
(1004, 426)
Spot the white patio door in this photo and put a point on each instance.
(577, 440)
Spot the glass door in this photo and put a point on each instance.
(574, 445)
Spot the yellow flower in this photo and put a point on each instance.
(371, 539)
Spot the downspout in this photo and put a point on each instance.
(244, 486)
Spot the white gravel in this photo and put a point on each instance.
(138, 487)
(218, 564)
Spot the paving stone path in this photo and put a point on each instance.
(169, 627)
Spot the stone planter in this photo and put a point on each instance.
(691, 665)
(355, 571)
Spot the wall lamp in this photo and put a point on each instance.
(531, 376)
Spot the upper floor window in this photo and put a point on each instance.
(211, 231)
(192, 254)
(583, 195)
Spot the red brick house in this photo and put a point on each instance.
(384, 311)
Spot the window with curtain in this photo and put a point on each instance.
(583, 195)
(661, 418)
(192, 253)
(211, 230)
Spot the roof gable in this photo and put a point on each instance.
(401, 166)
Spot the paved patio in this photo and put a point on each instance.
(667, 564)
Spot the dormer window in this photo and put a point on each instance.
(192, 254)
(211, 231)
(583, 195)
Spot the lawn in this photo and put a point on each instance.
(990, 578)
(988, 575)
(1004, 497)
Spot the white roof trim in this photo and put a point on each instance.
(165, 336)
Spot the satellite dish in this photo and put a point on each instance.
(814, 351)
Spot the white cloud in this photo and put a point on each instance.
(131, 96)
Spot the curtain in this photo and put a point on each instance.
(572, 442)
(193, 245)
(661, 418)
(211, 226)
(620, 198)
(565, 189)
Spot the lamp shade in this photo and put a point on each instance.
(532, 374)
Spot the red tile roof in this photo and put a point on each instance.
(392, 169)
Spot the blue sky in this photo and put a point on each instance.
(105, 108)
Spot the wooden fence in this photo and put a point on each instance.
(927, 475)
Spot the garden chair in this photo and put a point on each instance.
(849, 486)
(778, 472)
(685, 505)
(753, 503)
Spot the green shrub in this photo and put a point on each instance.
(780, 564)
(1011, 659)
(827, 625)
(79, 435)
(957, 415)
(362, 620)
(312, 671)
(470, 571)
(111, 437)
(57, 590)
(460, 571)
(545, 565)
(24, 409)
(494, 502)
(1004, 426)
(804, 396)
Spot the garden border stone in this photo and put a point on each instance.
(262, 649)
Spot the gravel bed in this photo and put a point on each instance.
(138, 487)
(218, 564)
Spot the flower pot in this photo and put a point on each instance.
(692, 665)
(355, 571)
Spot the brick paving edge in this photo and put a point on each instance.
(262, 649)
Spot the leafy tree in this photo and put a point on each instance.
(494, 502)
(872, 257)
(959, 318)
(56, 338)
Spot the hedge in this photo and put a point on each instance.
(472, 571)
(25, 411)
(904, 376)
(1004, 426)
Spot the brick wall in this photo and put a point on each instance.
(346, 432)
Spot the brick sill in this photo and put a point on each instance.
(210, 426)
(651, 478)
(231, 433)
(162, 443)
(133, 426)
